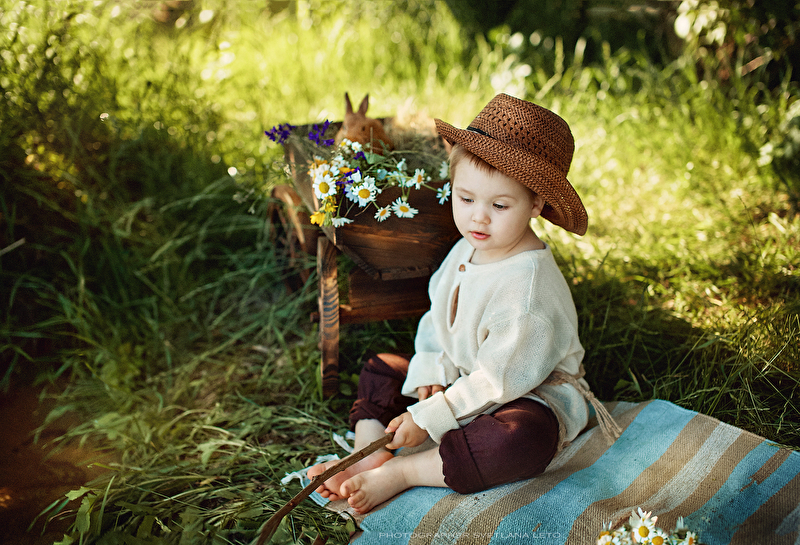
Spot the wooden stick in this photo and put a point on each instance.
(271, 526)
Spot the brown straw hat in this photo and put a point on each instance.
(531, 145)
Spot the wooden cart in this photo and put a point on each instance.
(395, 259)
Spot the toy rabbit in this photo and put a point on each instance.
(357, 127)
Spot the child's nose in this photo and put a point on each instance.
(480, 214)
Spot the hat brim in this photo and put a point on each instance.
(563, 206)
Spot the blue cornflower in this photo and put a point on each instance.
(280, 133)
(360, 155)
(317, 132)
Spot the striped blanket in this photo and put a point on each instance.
(730, 486)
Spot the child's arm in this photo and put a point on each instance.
(406, 432)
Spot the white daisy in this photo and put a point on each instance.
(366, 192)
(689, 539)
(402, 209)
(350, 193)
(642, 525)
(339, 165)
(604, 539)
(318, 167)
(324, 185)
(339, 222)
(418, 179)
(444, 170)
(443, 193)
(383, 213)
(622, 539)
(659, 537)
(605, 536)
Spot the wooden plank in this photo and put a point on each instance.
(401, 247)
(371, 299)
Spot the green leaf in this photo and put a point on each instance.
(83, 519)
(373, 158)
(75, 494)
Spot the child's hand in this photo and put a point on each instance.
(424, 392)
(406, 432)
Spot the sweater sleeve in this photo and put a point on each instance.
(516, 356)
(430, 364)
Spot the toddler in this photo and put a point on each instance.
(495, 380)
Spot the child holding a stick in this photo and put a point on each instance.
(495, 380)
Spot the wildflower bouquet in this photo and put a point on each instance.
(641, 529)
(348, 179)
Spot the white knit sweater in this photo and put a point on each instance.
(494, 333)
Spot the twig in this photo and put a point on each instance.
(271, 526)
(12, 246)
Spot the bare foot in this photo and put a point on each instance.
(331, 488)
(370, 488)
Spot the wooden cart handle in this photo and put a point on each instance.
(271, 526)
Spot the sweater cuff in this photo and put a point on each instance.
(425, 369)
(434, 416)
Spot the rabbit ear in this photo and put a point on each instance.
(348, 107)
(364, 105)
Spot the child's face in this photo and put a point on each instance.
(493, 212)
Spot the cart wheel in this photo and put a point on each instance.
(328, 315)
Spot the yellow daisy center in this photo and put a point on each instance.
(643, 531)
(363, 193)
(658, 540)
(324, 187)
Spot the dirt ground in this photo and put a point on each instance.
(31, 476)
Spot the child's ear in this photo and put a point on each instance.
(538, 206)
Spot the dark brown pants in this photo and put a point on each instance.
(515, 442)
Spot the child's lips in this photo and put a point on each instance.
(478, 235)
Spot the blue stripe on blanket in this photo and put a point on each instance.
(744, 488)
(398, 522)
(615, 470)
(741, 496)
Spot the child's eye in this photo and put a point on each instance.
(499, 206)
(466, 200)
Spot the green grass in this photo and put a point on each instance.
(140, 266)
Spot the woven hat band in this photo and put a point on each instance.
(473, 129)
